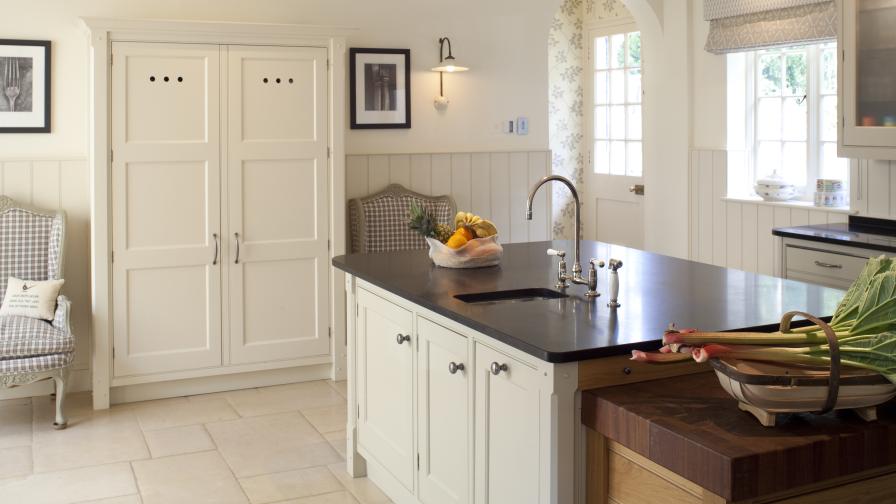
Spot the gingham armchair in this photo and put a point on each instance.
(379, 222)
(31, 246)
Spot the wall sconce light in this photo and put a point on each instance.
(446, 64)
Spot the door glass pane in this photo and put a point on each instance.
(794, 162)
(617, 50)
(601, 88)
(634, 86)
(633, 159)
(875, 70)
(795, 118)
(768, 119)
(617, 122)
(634, 49)
(634, 122)
(617, 86)
(601, 50)
(601, 118)
(602, 157)
(617, 158)
(769, 76)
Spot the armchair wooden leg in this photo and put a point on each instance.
(60, 378)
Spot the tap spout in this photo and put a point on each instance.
(577, 265)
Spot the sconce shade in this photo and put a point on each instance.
(449, 64)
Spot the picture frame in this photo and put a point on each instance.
(25, 86)
(380, 88)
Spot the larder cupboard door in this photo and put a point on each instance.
(444, 391)
(277, 203)
(508, 429)
(166, 271)
(385, 384)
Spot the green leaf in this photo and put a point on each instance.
(878, 309)
(876, 352)
(849, 306)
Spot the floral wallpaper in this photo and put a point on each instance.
(566, 59)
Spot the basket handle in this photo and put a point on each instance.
(834, 349)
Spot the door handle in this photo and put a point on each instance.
(638, 189)
(236, 238)
(828, 265)
(496, 368)
(401, 338)
(454, 367)
(215, 260)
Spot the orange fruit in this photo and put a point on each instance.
(457, 240)
(466, 232)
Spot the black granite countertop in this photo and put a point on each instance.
(654, 291)
(863, 232)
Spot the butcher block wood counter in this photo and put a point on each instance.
(684, 440)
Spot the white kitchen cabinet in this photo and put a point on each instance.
(220, 227)
(826, 264)
(508, 428)
(867, 79)
(385, 381)
(443, 418)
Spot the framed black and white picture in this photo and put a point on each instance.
(380, 88)
(24, 86)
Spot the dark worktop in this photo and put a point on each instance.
(654, 291)
(692, 427)
(862, 232)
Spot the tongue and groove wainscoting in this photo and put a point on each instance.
(64, 184)
(738, 234)
(491, 184)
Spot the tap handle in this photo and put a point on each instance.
(596, 263)
(559, 253)
(615, 264)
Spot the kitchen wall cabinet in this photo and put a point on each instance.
(220, 224)
(867, 79)
(447, 415)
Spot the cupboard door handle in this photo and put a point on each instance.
(828, 265)
(236, 237)
(497, 368)
(401, 338)
(454, 367)
(215, 260)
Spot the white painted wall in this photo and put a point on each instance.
(504, 45)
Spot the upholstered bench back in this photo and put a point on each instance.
(30, 242)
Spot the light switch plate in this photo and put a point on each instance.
(522, 125)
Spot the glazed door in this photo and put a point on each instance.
(277, 203)
(443, 421)
(385, 384)
(166, 209)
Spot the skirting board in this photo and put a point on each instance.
(221, 383)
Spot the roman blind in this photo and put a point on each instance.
(745, 25)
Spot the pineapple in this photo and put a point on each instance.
(422, 221)
(443, 232)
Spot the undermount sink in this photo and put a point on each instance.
(533, 294)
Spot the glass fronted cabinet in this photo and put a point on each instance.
(867, 75)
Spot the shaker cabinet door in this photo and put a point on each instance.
(508, 430)
(385, 381)
(443, 420)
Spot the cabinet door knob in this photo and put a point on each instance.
(497, 368)
(454, 367)
(401, 338)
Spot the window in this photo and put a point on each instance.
(617, 104)
(791, 114)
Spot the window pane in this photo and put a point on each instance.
(768, 159)
(634, 122)
(768, 119)
(617, 50)
(831, 165)
(617, 122)
(601, 157)
(601, 118)
(829, 71)
(633, 159)
(795, 83)
(617, 86)
(769, 68)
(634, 86)
(634, 49)
(601, 88)
(794, 162)
(795, 119)
(617, 158)
(601, 48)
(828, 118)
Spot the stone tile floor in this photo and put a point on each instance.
(281, 444)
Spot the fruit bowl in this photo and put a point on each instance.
(476, 253)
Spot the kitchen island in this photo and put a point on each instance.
(455, 401)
